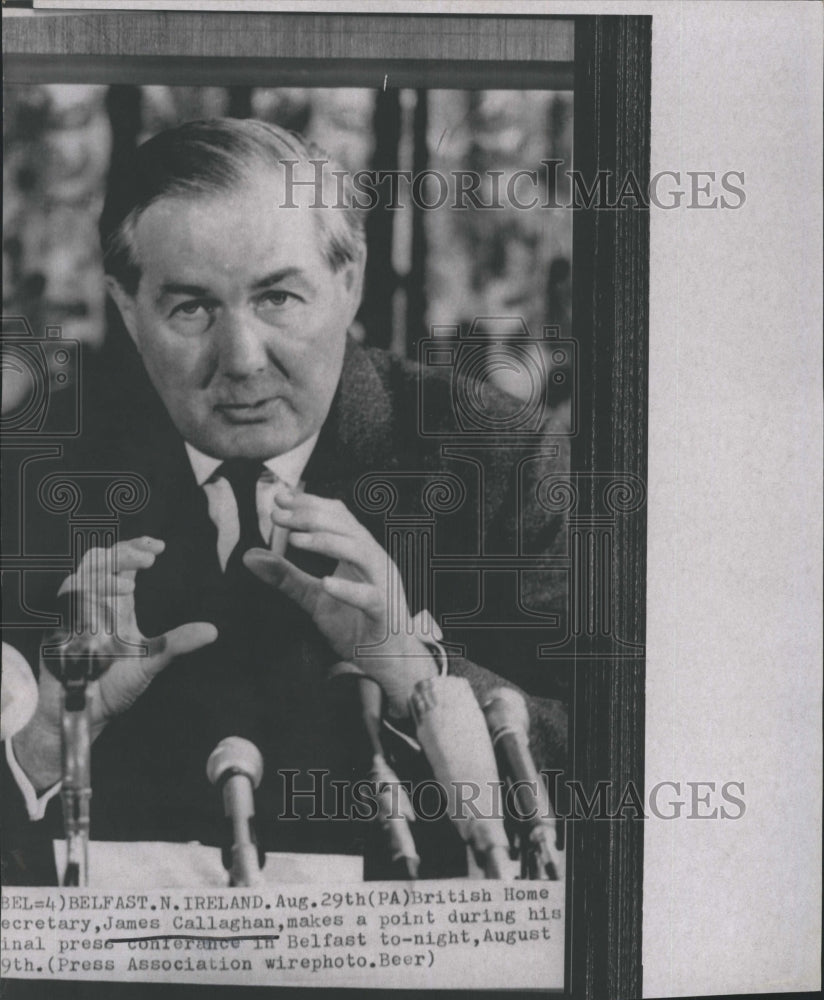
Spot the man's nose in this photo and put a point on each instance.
(241, 347)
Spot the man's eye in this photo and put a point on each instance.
(277, 298)
(190, 309)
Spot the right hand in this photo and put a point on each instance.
(104, 585)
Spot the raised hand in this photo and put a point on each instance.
(361, 608)
(103, 590)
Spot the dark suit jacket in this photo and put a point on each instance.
(266, 676)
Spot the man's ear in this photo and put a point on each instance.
(126, 305)
(353, 279)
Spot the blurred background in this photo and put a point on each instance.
(426, 268)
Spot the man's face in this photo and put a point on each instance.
(240, 321)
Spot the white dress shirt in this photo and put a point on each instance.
(223, 511)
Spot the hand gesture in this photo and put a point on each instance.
(103, 591)
(361, 608)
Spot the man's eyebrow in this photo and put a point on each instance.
(280, 275)
(199, 291)
(178, 288)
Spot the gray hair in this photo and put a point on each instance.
(212, 157)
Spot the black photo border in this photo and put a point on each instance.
(610, 73)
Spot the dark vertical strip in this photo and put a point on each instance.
(610, 323)
(381, 280)
(592, 584)
(606, 583)
(240, 102)
(124, 106)
(416, 318)
(117, 357)
(577, 591)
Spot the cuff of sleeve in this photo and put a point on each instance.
(427, 630)
(35, 804)
(429, 633)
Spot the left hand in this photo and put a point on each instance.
(362, 604)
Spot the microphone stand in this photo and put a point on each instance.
(508, 723)
(77, 662)
(394, 813)
(394, 810)
(76, 791)
(235, 766)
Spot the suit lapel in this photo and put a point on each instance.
(357, 435)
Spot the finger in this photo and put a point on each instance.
(126, 553)
(92, 606)
(122, 585)
(285, 576)
(136, 554)
(144, 543)
(111, 598)
(124, 557)
(306, 512)
(178, 642)
(104, 575)
(362, 596)
(351, 550)
(101, 588)
(94, 566)
(113, 586)
(284, 494)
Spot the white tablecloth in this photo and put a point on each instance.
(155, 865)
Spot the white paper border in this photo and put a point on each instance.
(734, 592)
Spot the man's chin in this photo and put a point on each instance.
(254, 441)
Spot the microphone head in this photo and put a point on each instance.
(506, 711)
(18, 692)
(232, 755)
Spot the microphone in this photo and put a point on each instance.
(235, 766)
(394, 817)
(76, 661)
(394, 810)
(508, 722)
(453, 735)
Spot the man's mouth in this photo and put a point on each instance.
(257, 409)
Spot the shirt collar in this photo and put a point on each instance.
(288, 467)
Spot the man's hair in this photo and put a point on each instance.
(216, 156)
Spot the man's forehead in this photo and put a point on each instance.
(232, 225)
(285, 186)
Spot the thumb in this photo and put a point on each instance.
(179, 641)
(278, 572)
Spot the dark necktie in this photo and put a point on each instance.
(242, 475)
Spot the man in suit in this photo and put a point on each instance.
(253, 569)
